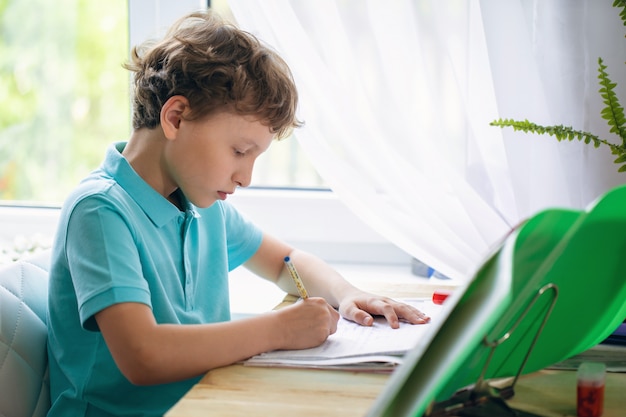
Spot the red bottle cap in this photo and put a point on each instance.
(439, 296)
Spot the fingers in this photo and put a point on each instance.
(331, 315)
(359, 316)
(333, 319)
(392, 310)
(308, 323)
(390, 313)
(412, 315)
(362, 314)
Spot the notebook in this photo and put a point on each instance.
(376, 348)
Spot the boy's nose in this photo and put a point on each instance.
(243, 177)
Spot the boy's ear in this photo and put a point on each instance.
(172, 114)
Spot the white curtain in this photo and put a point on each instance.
(397, 97)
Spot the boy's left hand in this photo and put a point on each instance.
(362, 306)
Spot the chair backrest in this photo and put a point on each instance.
(24, 389)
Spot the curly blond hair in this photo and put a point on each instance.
(217, 67)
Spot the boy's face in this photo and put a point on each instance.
(211, 157)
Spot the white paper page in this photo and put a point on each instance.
(354, 340)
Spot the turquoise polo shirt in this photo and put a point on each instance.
(121, 241)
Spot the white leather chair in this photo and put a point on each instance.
(24, 389)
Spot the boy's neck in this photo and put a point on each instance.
(144, 152)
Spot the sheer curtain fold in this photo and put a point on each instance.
(397, 97)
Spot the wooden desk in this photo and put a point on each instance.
(241, 391)
(553, 394)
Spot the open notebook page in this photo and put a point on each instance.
(356, 346)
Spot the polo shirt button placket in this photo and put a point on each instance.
(186, 220)
(188, 291)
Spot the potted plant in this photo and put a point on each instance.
(613, 113)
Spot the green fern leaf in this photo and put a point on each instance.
(622, 13)
(560, 132)
(613, 113)
(620, 159)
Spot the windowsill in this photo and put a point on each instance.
(318, 222)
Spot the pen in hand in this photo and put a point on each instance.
(296, 278)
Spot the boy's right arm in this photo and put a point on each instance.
(150, 353)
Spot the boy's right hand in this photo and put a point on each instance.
(307, 323)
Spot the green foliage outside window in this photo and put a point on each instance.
(63, 93)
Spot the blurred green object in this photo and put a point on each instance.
(554, 287)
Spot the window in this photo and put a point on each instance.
(65, 96)
(63, 93)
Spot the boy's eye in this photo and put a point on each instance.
(239, 152)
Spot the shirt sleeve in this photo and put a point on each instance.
(103, 259)
(242, 236)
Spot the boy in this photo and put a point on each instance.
(138, 307)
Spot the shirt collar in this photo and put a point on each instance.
(157, 207)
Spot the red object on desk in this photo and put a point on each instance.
(590, 389)
(440, 296)
(590, 400)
